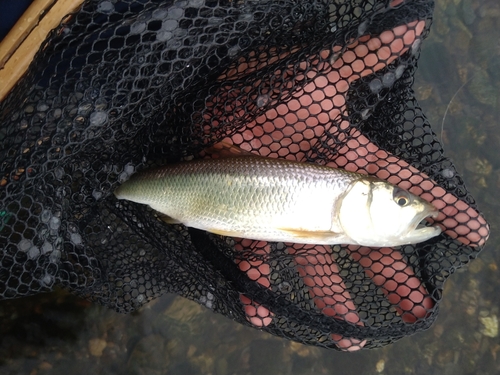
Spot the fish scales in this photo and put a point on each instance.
(243, 194)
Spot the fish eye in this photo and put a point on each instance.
(402, 201)
(401, 197)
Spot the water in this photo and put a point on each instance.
(458, 75)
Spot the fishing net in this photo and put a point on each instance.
(123, 85)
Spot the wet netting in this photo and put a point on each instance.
(124, 85)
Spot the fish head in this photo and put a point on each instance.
(376, 213)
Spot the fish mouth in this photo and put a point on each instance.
(419, 230)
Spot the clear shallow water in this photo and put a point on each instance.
(458, 76)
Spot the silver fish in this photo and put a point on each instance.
(280, 200)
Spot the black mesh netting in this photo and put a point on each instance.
(126, 84)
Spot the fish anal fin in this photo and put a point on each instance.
(164, 217)
(167, 219)
(224, 150)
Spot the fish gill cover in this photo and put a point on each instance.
(125, 85)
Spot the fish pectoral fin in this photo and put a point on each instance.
(321, 236)
(222, 232)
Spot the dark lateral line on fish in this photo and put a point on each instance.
(280, 306)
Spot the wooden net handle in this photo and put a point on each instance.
(22, 42)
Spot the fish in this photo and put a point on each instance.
(279, 200)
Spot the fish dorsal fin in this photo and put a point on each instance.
(223, 150)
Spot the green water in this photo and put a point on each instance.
(458, 76)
